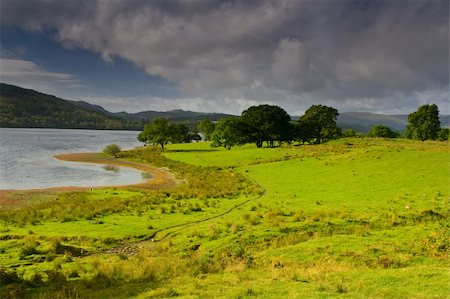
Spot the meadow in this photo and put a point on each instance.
(351, 218)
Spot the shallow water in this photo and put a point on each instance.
(27, 158)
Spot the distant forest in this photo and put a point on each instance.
(24, 108)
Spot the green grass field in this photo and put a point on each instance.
(352, 218)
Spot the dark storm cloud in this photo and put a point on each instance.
(356, 55)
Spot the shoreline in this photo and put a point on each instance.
(161, 178)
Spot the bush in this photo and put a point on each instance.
(112, 150)
(350, 133)
(443, 134)
(381, 131)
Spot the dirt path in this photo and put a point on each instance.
(134, 248)
(188, 224)
(161, 179)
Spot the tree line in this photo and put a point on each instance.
(160, 132)
(271, 125)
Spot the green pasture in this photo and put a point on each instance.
(352, 218)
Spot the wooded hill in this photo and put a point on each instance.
(25, 108)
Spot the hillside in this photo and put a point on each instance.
(353, 218)
(25, 108)
(177, 115)
(363, 121)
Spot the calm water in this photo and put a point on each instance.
(26, 158)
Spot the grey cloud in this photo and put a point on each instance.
(352, 54)
(31, 75)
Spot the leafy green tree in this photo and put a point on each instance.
(229, 132)
(350, 133)
(424, 123)
(303, 131)
(179, 133)
(158, 131)
(320, 123)
(443, 134)
(381, 131)
(267, 123)
(142, 137)
(206, 127)
(112, 150)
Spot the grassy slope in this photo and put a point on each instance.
(382, 183)
(352, 218)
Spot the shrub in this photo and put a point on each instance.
(443, 134)
(381, 131)
(112, 150)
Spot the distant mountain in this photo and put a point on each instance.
(90, 107)
(363, 121)
(26, 108)
(178, 115)
(173, 115)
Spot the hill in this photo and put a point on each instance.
(353, 218)
(363, 121)
(26, 108)
(177, 115)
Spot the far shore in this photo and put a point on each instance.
(161, 178)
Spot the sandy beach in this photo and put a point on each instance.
(161, 178)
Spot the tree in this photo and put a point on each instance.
(206, 127)
(303, 131)
(267, 123)
(142, 137)
(350, 133)
(381, 131)
(179, 133)
(158, 131)
(320, 123)
(229, 132)
(443, 134)
(112, 150)
(424, 123)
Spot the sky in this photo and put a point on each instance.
(379, 56)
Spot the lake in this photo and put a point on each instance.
(27, 162)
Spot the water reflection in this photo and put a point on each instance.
(27, 158)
